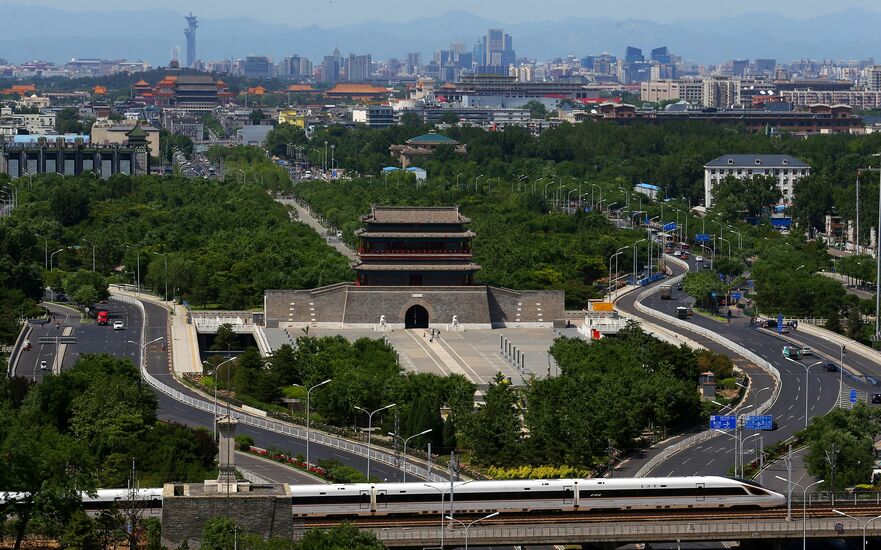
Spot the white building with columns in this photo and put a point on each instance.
(785, 168)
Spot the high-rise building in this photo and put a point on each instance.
(496, 53)
(358, 68)
(662, 55)
(873, 74)
(413, 63)
(190, 34)
(633, 55)
(739, 67)
(330, 69)
(765, 66)
(257, 66)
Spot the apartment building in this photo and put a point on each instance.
(787, 169)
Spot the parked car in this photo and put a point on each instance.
(118, 325)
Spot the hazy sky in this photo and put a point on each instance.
(298, 13)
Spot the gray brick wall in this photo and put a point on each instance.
(267, 515)
(365, 305)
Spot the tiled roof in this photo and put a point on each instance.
(757, 160)
(417, 235)
(356, 89)
(300, 88)
(417, 267)
(415, 214)
(432, 138)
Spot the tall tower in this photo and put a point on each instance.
(190, 33)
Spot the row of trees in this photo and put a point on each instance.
(81, 430)
(224, 242)
(561, 251)
(571, 419)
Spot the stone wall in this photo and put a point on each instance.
(347, 305)
(264, 511)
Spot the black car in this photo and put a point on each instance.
(679, 286)
(876, 398)
(830, 367)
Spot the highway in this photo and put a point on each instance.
(717, 455)
(94, 338)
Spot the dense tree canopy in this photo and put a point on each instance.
(841, 446)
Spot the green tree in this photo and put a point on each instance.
(493, 430)
(218, 533)
(342, 537)
(537, 109)
(256, 116)
(450, 118)
(842, 440)
(80, 533)
(738, 198)
(68, 204)
(702, 285)
(225, 339)
(281, 136)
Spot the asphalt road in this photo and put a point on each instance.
(94, 338)
(717, 455)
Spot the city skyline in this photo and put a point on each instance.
(344, 12)
(848, 35)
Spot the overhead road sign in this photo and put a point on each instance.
(702, 237)
(723, 422)
(760, 422)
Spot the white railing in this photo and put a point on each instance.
(734, 347)
(348, 446)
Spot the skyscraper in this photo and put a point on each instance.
(190, 33)
(633, 55)
(358, 68)
(496, 53)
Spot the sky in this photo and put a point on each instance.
(326, 13)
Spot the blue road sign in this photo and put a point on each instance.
(750, 283)
(779, 323)
(735, 295)
(670, 226)
(723, 422)
(853, 396)
(713, 293)
(702, 237)
(760, 422)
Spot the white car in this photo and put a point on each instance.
(44, 365)
(698, 259)
(118, 325)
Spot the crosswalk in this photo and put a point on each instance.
(847, 395)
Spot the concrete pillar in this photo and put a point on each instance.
(226, 428)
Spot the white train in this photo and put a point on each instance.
(566, 495)
(104, 498)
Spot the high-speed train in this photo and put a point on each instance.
(103, 499)
(565, 495)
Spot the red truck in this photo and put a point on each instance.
(102, 317)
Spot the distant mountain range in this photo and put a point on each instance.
(151, 35)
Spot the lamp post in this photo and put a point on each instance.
(636, 260)
(804, 507)
(457, 179)
(165, 259)
(468, 526)
(614, 257)
(545, 192)
(144, 349)
(865, 525)
(443, 492)
(738, 431)
(243, 174)
(215, 367)
(648, 230)
(592, 203)
(325, 161)
(407, 440)
(138, 251)
(739, 237)
(332, 149)
(51, 256)
(734, 437)
(742, 452)
(370, 430)
(729, 246)
(476, 180)
(568, 201)
(807, 382)
(308, 420)
(45, 249)
(93, 252)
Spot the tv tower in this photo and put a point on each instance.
(190, 33)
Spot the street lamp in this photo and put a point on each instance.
(165, 259)
(308, 423)
(370, 430)
(735, 447)
(215, 367)
(804, 508)
(614, 257)
(468, 526)
(648, 229)
(243, 174)
(138, 251)
(442, 493)
(407, 440)
(93, 252)
(635, 259)
(53, 255)
(866, 524)
(144, 349)
(592, 204)
(45, 249)
(807, 382)
(476, 180)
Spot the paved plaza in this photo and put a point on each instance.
(476, 354)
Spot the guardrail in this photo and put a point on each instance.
(345, 445)
(705, 435)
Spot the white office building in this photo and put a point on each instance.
(785, 168)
